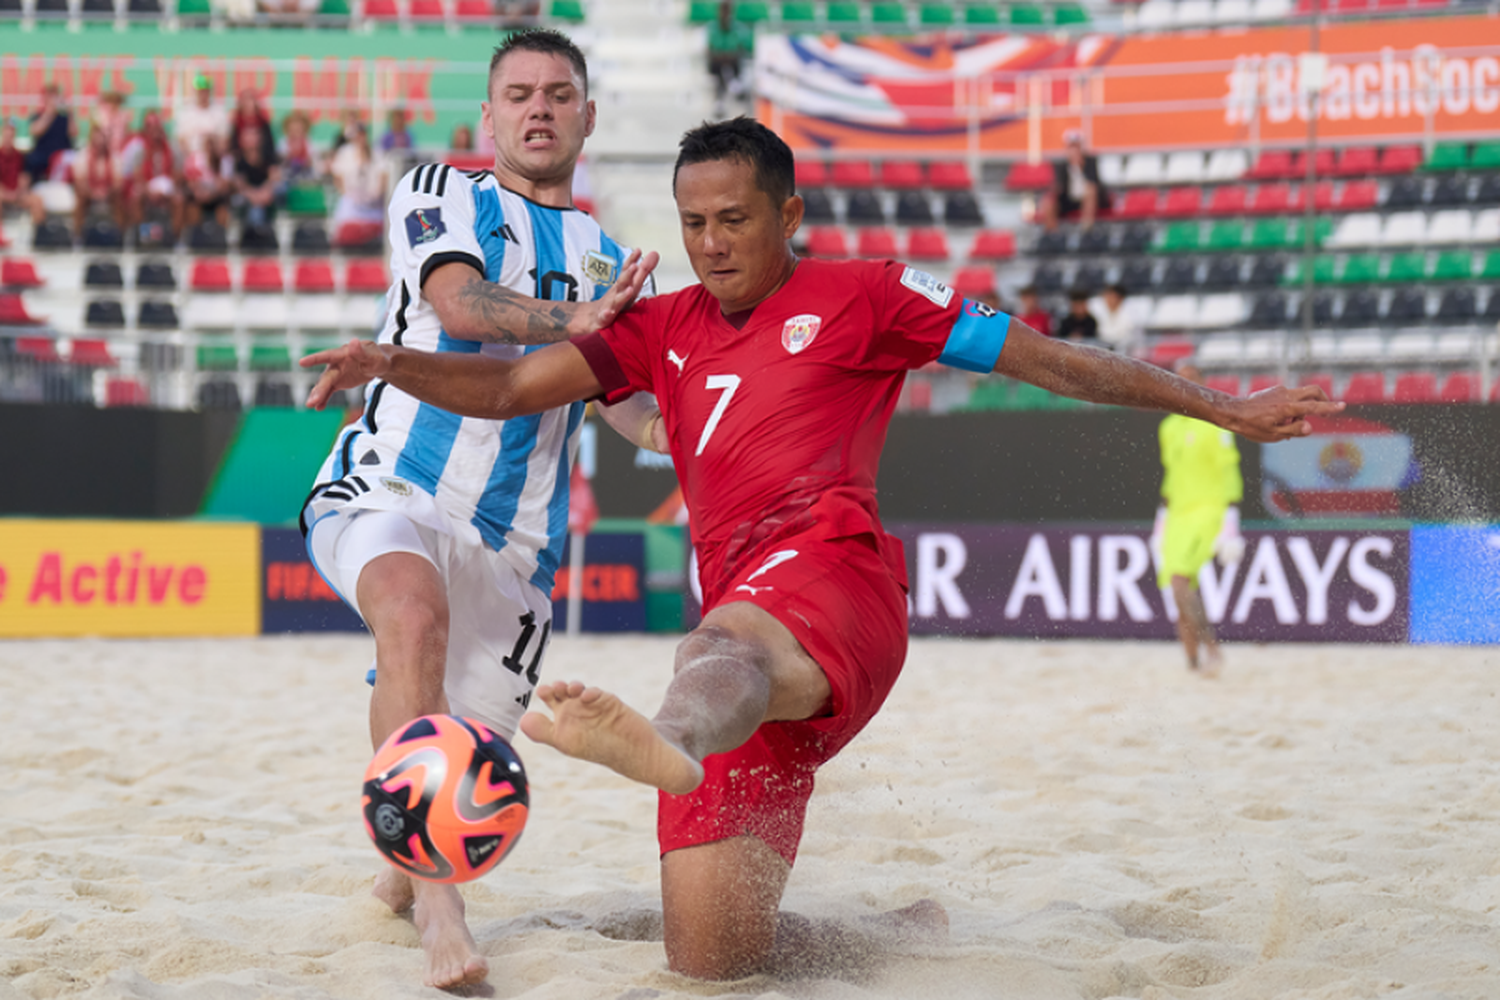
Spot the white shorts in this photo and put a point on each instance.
(498, 623)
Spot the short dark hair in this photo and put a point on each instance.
(1079, 295)
(547, 41)
(1026, 290)
(748, 141)
(1118, 289)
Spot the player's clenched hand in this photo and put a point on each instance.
(348, 367)
(628, 284)
(1276, 414)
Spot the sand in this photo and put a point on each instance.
(180, 820)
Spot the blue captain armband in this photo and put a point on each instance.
(974, 342)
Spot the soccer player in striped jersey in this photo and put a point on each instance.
(444, 532)
(777, 377)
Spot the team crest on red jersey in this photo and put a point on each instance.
(799, 331)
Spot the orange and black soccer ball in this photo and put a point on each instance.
(445, 798)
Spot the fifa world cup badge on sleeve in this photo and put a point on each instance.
(925, 284)
(424, 225)
(799, 331)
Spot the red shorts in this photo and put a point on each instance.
(842, 602)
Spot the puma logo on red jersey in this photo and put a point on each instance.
(679, 362)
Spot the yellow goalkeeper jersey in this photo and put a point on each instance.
(1200, 464)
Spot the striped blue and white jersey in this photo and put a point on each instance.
(504, 483)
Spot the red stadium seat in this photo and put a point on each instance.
(1460, 387)
(1415, 387)
(1356, 161)
(1029, 177)
(811, 173)
(1231, 199)
(972, 281)
(1358, 196)
(426, 10)
(1323, 199)
(38, 349)
(927, 243)
(366, 276)
(852, 174)
(1166, 353)
(87, 353)
(1363, 387)
(210, 274)
(1323, 163)
(902, 175)
(950, 176)
(1271, 199)
(876, 241)
(382, 10)
(1181, 202)
(313, 277)
(1324, 382)
(1349, 6)
(993, 244)
(16, 272)
(262, 276)
(13, 311)
(474, 10)
(125, 392)
(1224, 383)
(1399, 159)
(1271, 165)
(827, 241)
(354, 234)
(1259, 382)
(1138, 203)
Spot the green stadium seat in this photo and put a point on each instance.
(886, 15)
(1027, 16)
(702, 12)
(1226, 236)
(194, 8)
(1268, 234)
(1407, 267)
(752, 12)
(841, 12)
(1448, 156)
(1361, 269)
(936, 15)
(1065, 15)
(270, 357)
(1491, 269)
(567, 10)
(991, 394)
(1324, 269)
(306, 199)
(1455, 265)
(1322, 229)
(1179, 237)
(217, 358)
(1486, 156)
(982, 16)
(793, 14)
(334, 8)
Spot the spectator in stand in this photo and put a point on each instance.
(361, 181)
(730, 42)
(256, 179)
(152, 194)
(1119, 326)
(249, 114)
(1031, 312)
(15, 186)
(462, 140)
(111, 115)
(1078, 324)
(209, 177)
(201, 119)
(98, 181)
(351, 125)
(52, 131)
(397, 138)
(298, 163)
(1076, 187)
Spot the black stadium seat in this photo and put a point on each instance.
(913, 209)
(1361, 308)
(817, 207)
(1137, 238)
(864, 209)
(158, 314)
(1138, 275)
(1323, 303)
(1223, 272)
(1408, 305)
(105, 312)
(1090, 278)
(103, 274)
(1048, 278)
(1266, 272)
(1051, 242)
(1489, 190)
(1450, 190)
(1095, 240)
(1406, 192)
(155, 274)
(1269, 310)
(310, 239)
(960, 208)
(1180, 276)
(1458, 305)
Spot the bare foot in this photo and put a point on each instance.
(453, 959)
(597, 726)
(393, 888)
(1212, 665)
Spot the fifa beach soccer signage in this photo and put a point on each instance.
(124, 578)
(1100, 582)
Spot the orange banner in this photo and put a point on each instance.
(120, 578)
(1381, 81)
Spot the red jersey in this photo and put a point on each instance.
(776, 427)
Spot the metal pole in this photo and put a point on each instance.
(1309, 211)
(575, 583)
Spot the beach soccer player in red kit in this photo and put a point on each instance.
(777, 377)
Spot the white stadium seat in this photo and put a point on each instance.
(1262, 350)
(208, 312)
(1193, 12)
(1456, 346)
(1361, 347)
(1361, 229)
(1323, 347)
(1175, 312)
(1454, 225)
(1410, 347)
(1227, 165)
(1111, 169)
(1272, 10)
(1232, 11)
(1185, 168)
(1156, 14)
(264, 312)
(318, 312)
(1404, 228)
(1486, 227)
(1221, 350)
(1145, 168)
(1222, 310)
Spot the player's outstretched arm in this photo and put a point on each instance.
(466, 384)
(472, 308)
(1101, 376)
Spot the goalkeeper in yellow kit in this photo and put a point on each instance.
(1198, 519)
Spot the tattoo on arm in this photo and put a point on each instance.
(509, 317)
